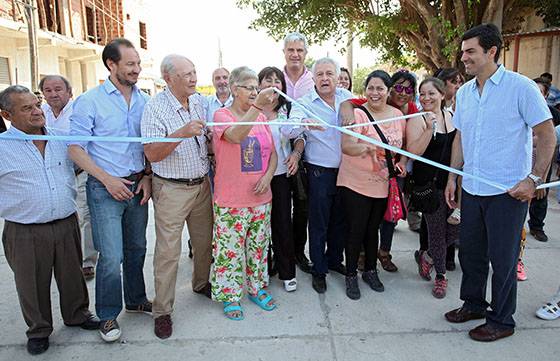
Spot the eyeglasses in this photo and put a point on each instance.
(407, 89)
(249, 88)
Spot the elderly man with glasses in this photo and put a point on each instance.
(181, 188)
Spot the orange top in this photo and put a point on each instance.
(369, 175)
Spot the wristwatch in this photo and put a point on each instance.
(536, 179)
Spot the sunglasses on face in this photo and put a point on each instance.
(407, 89)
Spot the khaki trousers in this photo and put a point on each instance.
(33, 251)
(174, 204)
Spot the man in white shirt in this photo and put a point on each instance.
(57, 91)
(222, 98)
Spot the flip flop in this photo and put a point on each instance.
(263, 303)
(228, 308)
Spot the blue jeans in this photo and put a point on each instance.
(119, 235)
(326, 219)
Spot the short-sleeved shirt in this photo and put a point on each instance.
(496, 129)
(240, 166)
(103, 111)
(369, 176)
(35, 188)
(163, 115)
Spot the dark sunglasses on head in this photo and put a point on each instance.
(407, 89)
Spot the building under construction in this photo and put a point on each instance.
(70, 37)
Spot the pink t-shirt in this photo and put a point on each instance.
(369, 176)
(240, 166)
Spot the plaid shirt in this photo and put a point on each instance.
(162, 116)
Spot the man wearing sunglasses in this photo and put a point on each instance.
(181, 187)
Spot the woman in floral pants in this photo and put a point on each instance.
(245, 164)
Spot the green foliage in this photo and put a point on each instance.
(384, 25)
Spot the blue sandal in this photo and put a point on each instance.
(263, 303)
(228, 307)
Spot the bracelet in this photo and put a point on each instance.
(256, 107)
(297, 152)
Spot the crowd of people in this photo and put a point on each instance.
(252, 193)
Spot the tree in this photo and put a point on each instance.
(410, 33)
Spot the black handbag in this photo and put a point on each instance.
(424, 198)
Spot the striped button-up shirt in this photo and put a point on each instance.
(103, 111)
(496, 130)
(162, 116)
(33, 188)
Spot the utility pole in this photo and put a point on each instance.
(30, 9)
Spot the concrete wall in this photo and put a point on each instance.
(536, 56)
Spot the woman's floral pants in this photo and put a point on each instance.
(240, 248)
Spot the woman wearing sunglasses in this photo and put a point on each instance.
(401, 96)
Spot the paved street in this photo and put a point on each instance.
(403, 323)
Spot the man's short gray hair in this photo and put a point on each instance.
(53, 77)
(326, 60)
(295, 36)
(6, 96)
(168, 63)
(240, 75)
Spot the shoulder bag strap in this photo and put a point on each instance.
(388, 155)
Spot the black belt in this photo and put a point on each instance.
(135, 177)
(186, 181)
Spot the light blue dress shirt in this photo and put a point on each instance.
(214, 104)
(323, 148)
(103, 111)
(496, 130)
(33, 188)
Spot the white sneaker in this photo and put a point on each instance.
(109, 330)
(290, 285)
(550, 310)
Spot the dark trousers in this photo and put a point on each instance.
(300, 214)
(32, 252)
(490, 232)
(281, 224)
(537, 209)
(326, 219)
(364, 215)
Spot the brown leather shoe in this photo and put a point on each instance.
(386, 262)
(163, 326)
(487, 333)
(461, 314)
(206, 290)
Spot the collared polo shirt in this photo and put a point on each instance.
(323, 146)
(213, 104)
(163, 115)
(103, 111)
(33, 188)
(496, 130)
(60, 123)
(301, 87)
